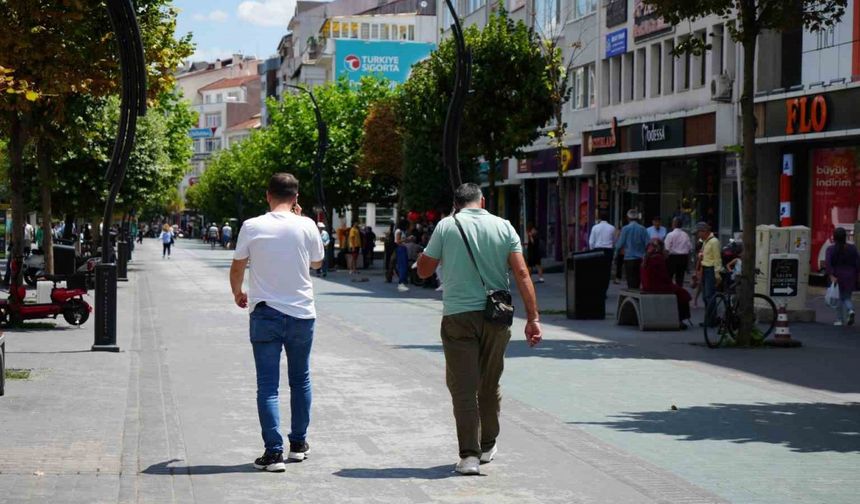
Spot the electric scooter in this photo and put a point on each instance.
(68, 302)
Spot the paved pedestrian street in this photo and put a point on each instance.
(595, 414)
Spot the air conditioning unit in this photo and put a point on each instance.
(721, 87)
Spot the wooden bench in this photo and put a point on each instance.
(2, 363)
(651, 312)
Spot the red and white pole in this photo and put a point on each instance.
(785, 190)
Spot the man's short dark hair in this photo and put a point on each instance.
(603, 215)
(283, 186)
(467, 194)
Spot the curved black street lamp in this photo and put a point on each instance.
(133, 68)
(454, 119)
(322, 147)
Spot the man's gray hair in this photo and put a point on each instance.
(467, 194)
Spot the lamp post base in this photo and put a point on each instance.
(104, 348)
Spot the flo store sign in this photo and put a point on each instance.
(388, 59)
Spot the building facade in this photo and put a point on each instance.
(226, 95)
(350, 39)
(808, 140)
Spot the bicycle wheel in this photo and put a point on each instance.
(765, 316)
(718, 321)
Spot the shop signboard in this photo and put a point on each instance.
(784, 275)
(198, 133)
(604, 186)
(657, 135)
(616, 43)
(815, 113)
(835, 190)
(646, 22)
(602, 141)
(544, 161)
(392, 60)
(616, 13)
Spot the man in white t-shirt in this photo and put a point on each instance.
(282, 246)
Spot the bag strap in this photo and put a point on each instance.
(469, 250)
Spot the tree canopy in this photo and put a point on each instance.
(235, 182)
(511, 99)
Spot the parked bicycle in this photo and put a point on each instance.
(723, 317)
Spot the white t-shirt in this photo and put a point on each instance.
(280, 247)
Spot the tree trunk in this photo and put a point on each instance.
(46, 172)
(16, 175)
(750, 177)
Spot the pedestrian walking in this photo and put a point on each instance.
(711, 261)
(678, 246)
(354, 248)
(166, 241)
(843, 265)
(533, 251)
(634, 240)
(326, 240)
(213, 235)
(656, 230)
(368, 244)
(226, 235)
(476, 250)
(602, 238)
(281, 246)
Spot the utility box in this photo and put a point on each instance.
(782, 257)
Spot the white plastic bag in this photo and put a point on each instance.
(832, 295)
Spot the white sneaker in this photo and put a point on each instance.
(469, 466)
(402, 288)
(838, 323)
(440, 288)
(488, 456)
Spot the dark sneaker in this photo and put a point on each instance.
(272, 462)
(299, 451)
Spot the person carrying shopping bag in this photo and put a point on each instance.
(843, 265)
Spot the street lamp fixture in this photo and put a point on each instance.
(133, 69)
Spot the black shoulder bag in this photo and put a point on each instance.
(500, 307)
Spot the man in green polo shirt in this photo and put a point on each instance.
(475, 348)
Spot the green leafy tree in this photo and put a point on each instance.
(236, 180)
(746, 20)
(62, 50)
(511, 99)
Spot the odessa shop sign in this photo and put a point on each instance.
(816, 113)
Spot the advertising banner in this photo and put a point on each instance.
(646, 22)
(389, 59)
(835, 186)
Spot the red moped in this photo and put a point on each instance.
(68, 302)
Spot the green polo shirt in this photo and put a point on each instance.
(492, 239)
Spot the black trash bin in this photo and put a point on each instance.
(587, 281)
(64, 260)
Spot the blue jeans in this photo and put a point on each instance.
(271, 330)
(845, 306)
(403, 264)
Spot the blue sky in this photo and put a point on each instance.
(222, 27)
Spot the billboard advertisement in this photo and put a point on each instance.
(389, 59)
(646, 22)
(835, 188)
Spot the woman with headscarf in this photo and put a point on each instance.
(656, 280)
(843, 264)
